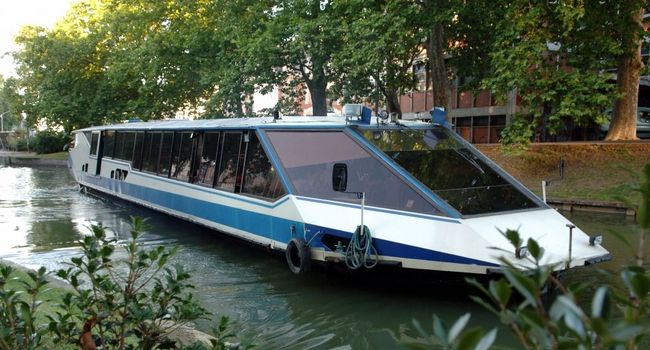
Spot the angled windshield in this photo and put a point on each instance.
(450, 170)
(309, 156)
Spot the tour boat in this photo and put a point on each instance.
(353, 190)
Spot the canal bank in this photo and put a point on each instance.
(29, 159)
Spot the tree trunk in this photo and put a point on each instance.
(318, 90)
(439, 79)
(623, 124)
(392, 102)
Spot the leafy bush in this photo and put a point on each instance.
(136, 299)
(133, 301)
(48, 142)
(21, 145)
(517, 134)
(18, 306)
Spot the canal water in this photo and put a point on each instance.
(43, 214)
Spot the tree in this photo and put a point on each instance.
(61, 73)
(629, 33)
(7, 98)
(292, 45)
(381, 41)
(440, 16)
(223, 34)
(554, 57)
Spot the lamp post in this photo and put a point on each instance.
(2, 121)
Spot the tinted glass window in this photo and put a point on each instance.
(119, 145)
(309, 156)
(94, 143)
(152, 151)
(129, 142)
(450, 170)
(137, 150)
(182, 156)
(165, 154)
(109, 143)
(208, 162)
(229, 161)
(260, 178)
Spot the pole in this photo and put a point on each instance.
(363, 204)
(571, 227)
(2, 121)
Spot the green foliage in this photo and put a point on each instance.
(380, 42)
(517, 134)
(616, 318)
(110, 60)
(134, 298)
(452, 338)
(18, 307)
(128, 297)
(10, 119)
(21, 145)
(49, 142)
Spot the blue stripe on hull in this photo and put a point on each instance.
(388, 248)
(258, 224)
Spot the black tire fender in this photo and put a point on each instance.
(298, 256)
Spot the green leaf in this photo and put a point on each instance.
(26, 314)
(523, 284)
(469, 339)
(420, 330)
(513, 237)
(636, 281)
(600, 304)
(458, 327)
(487, 340)
(500, 291)
(439, 329)
(484, 304)
(625, 333)
(534, 249)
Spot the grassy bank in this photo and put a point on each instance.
(593, 171)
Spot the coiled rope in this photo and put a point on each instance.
(360, 250)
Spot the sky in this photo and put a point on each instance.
(15, 14)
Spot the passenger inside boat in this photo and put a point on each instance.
(206, 171)
(227, 176)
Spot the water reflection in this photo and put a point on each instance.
(42, 214)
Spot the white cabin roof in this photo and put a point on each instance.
(203, 124)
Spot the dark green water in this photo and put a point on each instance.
(42, 214)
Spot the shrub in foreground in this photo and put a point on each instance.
(124, 297)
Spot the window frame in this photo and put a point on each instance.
(94, 143)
